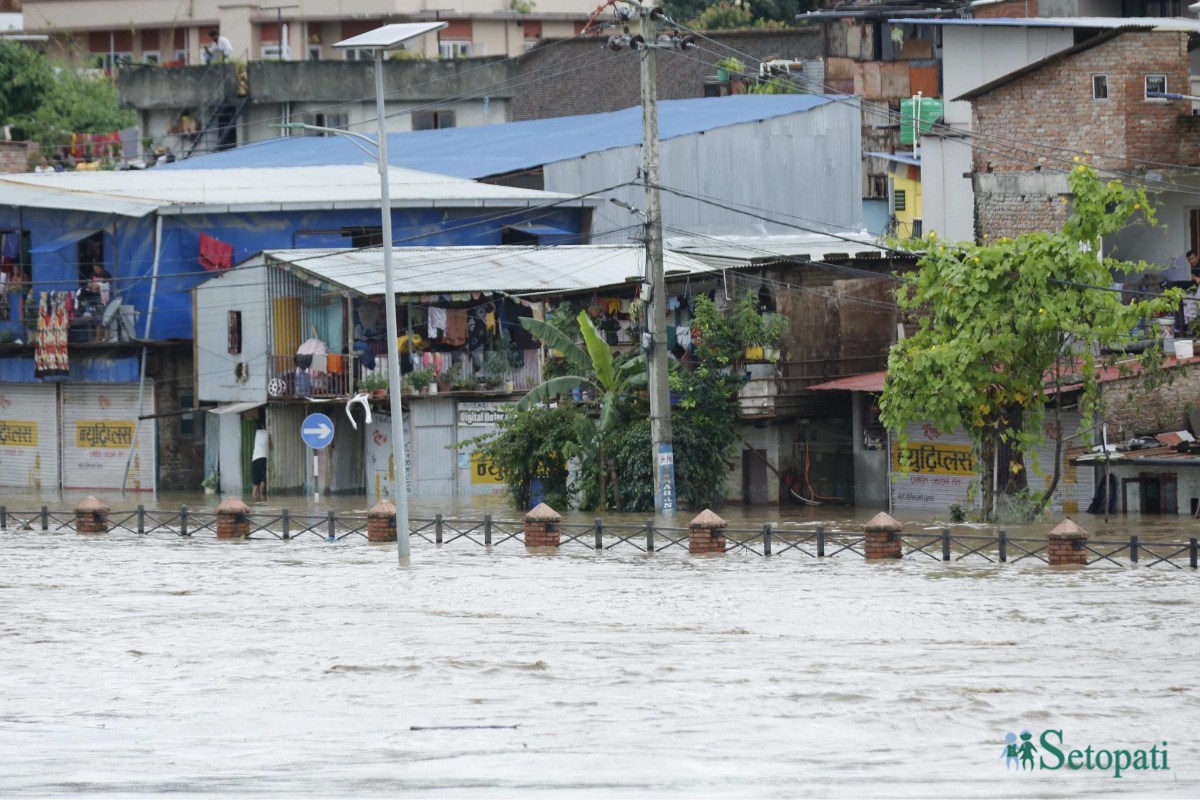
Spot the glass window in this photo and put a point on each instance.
(1099, 87)
(1155, 84)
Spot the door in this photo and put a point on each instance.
(754, 477)
(29, 436)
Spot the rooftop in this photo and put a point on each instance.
(482, 150)
(136, 193)
(1110, 23)
(442, 270)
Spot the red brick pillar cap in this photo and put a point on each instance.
(542, 513)
(233, 505)
(881, 523)
(383, 507)
(707, 519)
(91, 504)
(1067, 529)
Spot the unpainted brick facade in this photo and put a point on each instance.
(1055, 105)
(14, 156)
(590, 79)
(1131, 410)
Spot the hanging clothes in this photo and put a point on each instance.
(456, 327)
(50, 355)
(437, 321)
(477, 328)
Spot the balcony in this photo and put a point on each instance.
(297, 377)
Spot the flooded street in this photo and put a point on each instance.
(191, 666)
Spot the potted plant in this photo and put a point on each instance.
(495, 367)
(730, 68)
(420, 379)
(375, 384)
(211, 482)
(463, 384)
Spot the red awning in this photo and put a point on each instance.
(867, 382)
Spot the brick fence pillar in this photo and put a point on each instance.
(232, 519)
(706, 533)
(1067, 544)
(91, 516)
(882, 537)
(541, 527)
(381, 522)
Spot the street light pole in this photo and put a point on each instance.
(399, 472)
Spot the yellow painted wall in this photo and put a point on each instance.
(908, 180)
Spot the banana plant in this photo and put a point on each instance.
(593, 365)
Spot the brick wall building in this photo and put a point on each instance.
(14, 156)
(1091, 97)
(583, 77)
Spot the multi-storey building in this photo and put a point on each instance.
(152, 31)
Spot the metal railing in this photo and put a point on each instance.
(768, 540)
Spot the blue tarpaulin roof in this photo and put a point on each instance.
(482, 150)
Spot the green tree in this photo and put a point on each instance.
(1006, 326)
(25, 78)
(47, 104)
(76, 103)
(534, 444)
(737, 14)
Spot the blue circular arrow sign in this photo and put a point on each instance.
(316, 431)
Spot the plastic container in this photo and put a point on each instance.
(1184, 348)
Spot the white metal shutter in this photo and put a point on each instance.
(98, 425)
(474, 419)
(937, 480)
(29, 436)
(940, 474)
(433, 459)
(1075, 483)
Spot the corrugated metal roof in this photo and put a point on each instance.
(728, 250)
(867, 382)
(1143, 23)
(481, 150)
(442, 270)
(136, 193)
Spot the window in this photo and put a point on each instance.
(189, 424)
(181, 55)
(271, 51)
(454, 49)
(314, 52)
(429, 120)
(151, 56)
(1156, 83)
(339, 121)
(900, 199)
(108, 61)
(364, 236)
(1099, 87)
(91, 255)
(235, 332)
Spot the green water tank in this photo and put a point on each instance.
(930, 112)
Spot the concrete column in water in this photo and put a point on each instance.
(706, 533)
(233, 521)
(91, 516)
(881, 537)
(381, 522)
(1067, 545)
(541, 527)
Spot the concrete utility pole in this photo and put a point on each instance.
(656, 310)
(654, 341)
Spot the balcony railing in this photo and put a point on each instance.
(328, 376)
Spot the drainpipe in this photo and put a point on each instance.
(142, 373)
